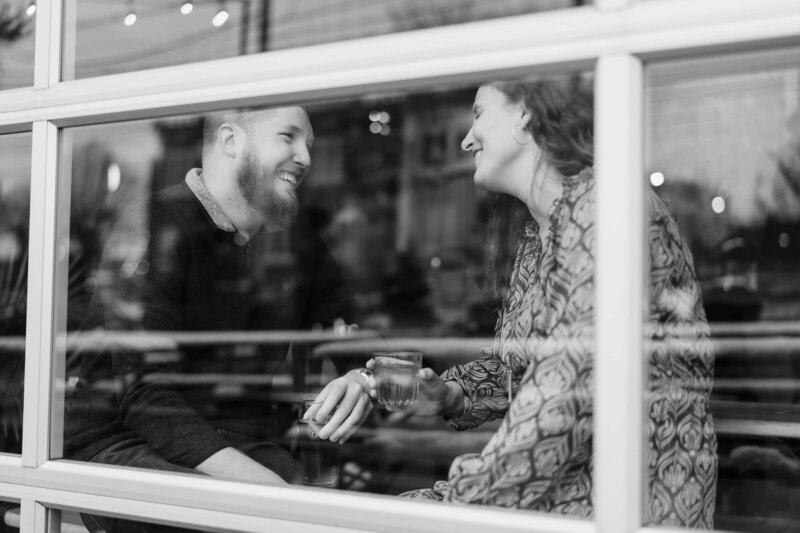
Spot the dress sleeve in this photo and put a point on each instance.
(485, 385)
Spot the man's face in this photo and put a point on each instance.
(276, 159)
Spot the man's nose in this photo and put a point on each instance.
(302, 157)
(469, 140)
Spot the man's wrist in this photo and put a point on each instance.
(362, 376)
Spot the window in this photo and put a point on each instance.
(110, 37)
(79, 119)
(11, 514)
(722, 153)
(17, 24)
(386, 253)
(15, 150)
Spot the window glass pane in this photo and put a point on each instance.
(17, 24)
(723, 138)
(110, 37)
(9, 511)
(203, 309)
(80, 521)
(15, 152)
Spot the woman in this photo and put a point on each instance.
(532, 143)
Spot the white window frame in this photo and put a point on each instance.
(616, 36)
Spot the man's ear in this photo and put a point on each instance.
(230, 139)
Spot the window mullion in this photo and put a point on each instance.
(47, 53)
(620, 279)
(33, 518)
(41, 283)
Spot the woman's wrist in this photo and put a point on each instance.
(454, 403)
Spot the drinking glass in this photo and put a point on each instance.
(320, 458)
(397, 378)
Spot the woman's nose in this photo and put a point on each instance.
(468, 141)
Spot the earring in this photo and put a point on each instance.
(523, 137)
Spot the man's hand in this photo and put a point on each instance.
(348, 401)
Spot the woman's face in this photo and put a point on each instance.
(502, 165)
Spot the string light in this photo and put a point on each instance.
(657, 179)
(222, 15)
(718, 204)
(187, 7)
(379, 123)
(31, 9)
(113, 177)
(130, 17)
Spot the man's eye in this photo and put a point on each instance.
(287, 135)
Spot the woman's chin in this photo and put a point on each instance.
(481, 182)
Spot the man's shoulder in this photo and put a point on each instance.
(178, 193)
(175, 202)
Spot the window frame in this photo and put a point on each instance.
(617, 37)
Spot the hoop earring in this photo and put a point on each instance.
(526, 136)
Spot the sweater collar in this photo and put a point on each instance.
(194, 179)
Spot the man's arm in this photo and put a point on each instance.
(232, 464)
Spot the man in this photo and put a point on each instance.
(200, 267)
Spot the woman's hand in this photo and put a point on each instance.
(437, 397)
(348, 402)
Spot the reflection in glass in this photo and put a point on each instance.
(111, 37)
(723, 138)
(17, 23)
(15, 152)
(9, 516)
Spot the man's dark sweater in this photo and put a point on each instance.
(188, 274)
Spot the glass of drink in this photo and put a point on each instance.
(320, 458)
(396, 378)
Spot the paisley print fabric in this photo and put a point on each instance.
(540, 458)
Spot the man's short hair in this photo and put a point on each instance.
(245, 118)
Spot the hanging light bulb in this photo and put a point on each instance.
(187, 7)
(130, 16)
(31, 9)
(222, 15)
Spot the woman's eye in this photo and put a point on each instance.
(287, 135)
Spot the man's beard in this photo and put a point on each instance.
(260, 193)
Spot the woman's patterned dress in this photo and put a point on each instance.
(541, 456)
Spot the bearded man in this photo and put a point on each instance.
(201, 265)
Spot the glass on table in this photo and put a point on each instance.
(320, 457)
